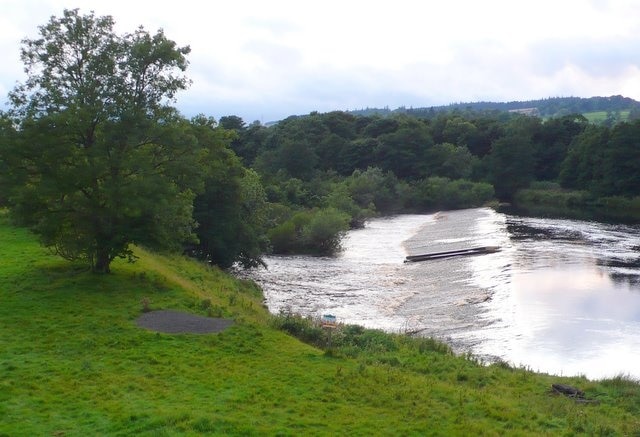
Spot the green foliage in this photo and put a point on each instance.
(340, 199)
(547, 107)
(288, 191)
(303, 328)
(551, 141)
(582, 168)
(548, 199)
(451, 161)
(317, 231)
(545, 185)
(383, 157)
(322, 234)
(375, 189)
(99, 159)
(510, 164)
(550, 195)
(7, 136)
(284, 238)
(604, 161)
(460, 131)
(403, 151)
(352, 340)
(619, 207)
(356, 155)
(441, 193)
(622, 161)
(231, 210)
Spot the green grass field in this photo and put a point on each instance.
(73, 362)
(599, 117)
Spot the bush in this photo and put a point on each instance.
(286, 237)
(544, 185)
(324, 231)
(372, 340)
(315, 232)
(283, 237)
(340, 199)
(375, 189)
(303, 328)
(442, 193)
(532, 198)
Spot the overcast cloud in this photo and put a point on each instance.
(265, 60)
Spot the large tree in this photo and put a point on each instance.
(511, 161)
(231, 209)
(102, 160)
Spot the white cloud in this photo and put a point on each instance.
(270, 59)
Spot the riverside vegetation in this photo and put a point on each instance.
(74, 362)
(94, 158)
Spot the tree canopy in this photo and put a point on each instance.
(101, 159)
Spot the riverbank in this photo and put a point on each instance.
(552, 201)
(74, 362)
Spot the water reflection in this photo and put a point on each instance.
(570, 320)
(570, 304)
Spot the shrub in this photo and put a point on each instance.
(372, 340)
(375, 189)
(441, 193)
(303, 328)
(316, 232)
(340, 199)
(324, 231)
(283, 237)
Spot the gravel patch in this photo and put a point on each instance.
(176, 322)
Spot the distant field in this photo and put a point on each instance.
(598, 117)
(74, 362)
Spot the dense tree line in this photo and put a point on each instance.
(506, 150)
(366, 165)
(604, 161)
(549, 107)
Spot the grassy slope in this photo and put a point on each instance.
(73, 362)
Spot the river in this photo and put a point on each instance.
(561, 297)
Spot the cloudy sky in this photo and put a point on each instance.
(265, 60)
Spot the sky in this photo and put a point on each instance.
(266, 60)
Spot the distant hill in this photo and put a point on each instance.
(550, 107)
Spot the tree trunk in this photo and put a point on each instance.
(102, 261)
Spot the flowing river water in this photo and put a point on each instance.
(561, 297)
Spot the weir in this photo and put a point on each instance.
(451, 253)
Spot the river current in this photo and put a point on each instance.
(560, 297)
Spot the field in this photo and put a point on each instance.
(74, 362)
(599, 117)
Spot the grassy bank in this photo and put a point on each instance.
(74, 362)
(548, 199)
